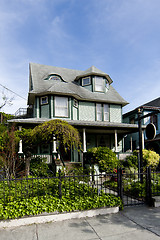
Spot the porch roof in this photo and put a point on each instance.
(123, 128)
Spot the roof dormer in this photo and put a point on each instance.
(94, 80)
(53, 77)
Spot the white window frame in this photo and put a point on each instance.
(98, 111)
(55, 78)
(99, 84)
(106, 112)
(102, 112)
(83, 81)
(107, 84)
(42, 100)
(61, 109)
(75, 103)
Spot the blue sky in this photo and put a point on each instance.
(120, 37)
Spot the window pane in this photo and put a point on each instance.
(99, 84)
(99, 112)
(106, 112)
(86, 81)
(61, 106)
(44, 100)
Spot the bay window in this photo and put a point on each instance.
(61, 106)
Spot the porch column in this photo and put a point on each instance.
(115, 139)
(54, 145)
(38, 107)
(20, 142)
(84, 140)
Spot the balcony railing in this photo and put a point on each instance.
(21, 112)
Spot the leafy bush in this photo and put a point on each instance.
(39, 167)
(105, 158)
(150, 158)
(131, 161)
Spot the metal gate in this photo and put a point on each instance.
(134, 188)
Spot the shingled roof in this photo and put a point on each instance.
(153, 103)
(68, 86)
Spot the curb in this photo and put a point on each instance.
(56, 217)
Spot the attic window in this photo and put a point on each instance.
(86, 81)
(55, 78)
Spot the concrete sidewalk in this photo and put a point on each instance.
(137, 223)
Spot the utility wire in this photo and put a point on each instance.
(12, 92)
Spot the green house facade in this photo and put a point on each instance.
(85, 99)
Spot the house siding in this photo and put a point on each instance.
(115, 113)
(86, 111)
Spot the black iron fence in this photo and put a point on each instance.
(57, 186)
(133, 188)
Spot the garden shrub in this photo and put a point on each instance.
(39, 167)
(131, 161)
(104, 157)
(150, 158)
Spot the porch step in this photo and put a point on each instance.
(156, 201)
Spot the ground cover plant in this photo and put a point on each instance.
(35, 196)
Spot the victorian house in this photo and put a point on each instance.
(85, 99)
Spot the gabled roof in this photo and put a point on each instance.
(153, 103)
(39, 86)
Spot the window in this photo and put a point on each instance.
(99, 84)
(61, 106)
(55, 77)
(75, 103)
(102, 112)
(107, 84)
(99, 112)
(44, 100)
(86, 81)
(106, 112)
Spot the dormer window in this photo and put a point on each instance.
(86, 81)
(55, 78)
(99, 84)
